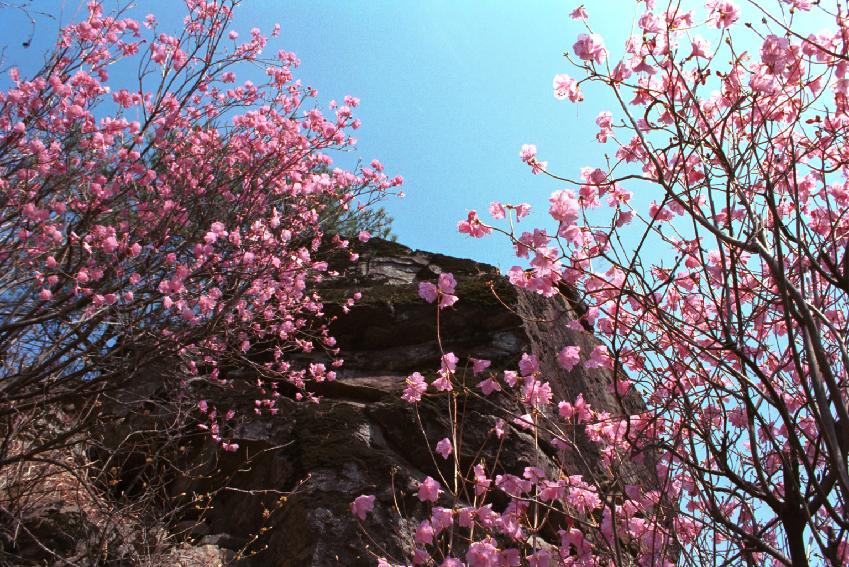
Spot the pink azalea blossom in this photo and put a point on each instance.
(528, 152)
(465, 517)
(448, 362)
(444, 447)
(443, 290)
(443, 382)
(500, 428)
(362, 505)
(528, 155)
(424, 533)
(441, 519)
(473, 226)
(479, 365)
(541, 558)
(605, 123)
(525, 421)
(522, 210)
(537, 394)
(496, 210)
(579, 13)
(420, 556)
(700, 47)
(775, 53)
(416, 387)
(428, 291)
(538, 167)
(624, 217)
(564, 207)
(723, 13)
(429, 490)
(599, 358)
(569, 357)
(446, 285)
(580, 410)
(528, 364)
(590, 47)
(482, 482)
(483, 554)
(489, 386)
(621, 72)
(566, 87)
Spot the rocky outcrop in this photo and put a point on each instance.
(283, 499)
(362, 438)
(290, 485)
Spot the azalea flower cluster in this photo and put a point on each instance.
(176, 220)
(506, 535)
(719, 297)
(443, 291)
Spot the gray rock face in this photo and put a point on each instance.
(290, 484)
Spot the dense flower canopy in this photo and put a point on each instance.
(733, 329)
(177, 219)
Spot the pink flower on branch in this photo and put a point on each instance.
(429, 490)
(522, 210)
(443, 382)
(443, 290)
(416, 387)
(723, 13)
(479, 365)
(528, 152)
(496, 210)
(579, 13)
(489, 386)
(537, 394)
(599, 358)
(473, 226)
(564, 207)
(590, 47)
(605, 123)
(569, 357)
(362, 505)
(424, 533)
(449, 362)
(528, 364)
(428, 291)
(444, 447)
(700, 47)
(567, 87)
(449, 365)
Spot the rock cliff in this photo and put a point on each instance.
(363, 439)
(283, 498)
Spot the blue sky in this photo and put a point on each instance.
(450, 91)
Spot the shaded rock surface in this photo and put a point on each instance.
(290, 484)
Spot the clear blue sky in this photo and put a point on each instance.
(450, 91)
